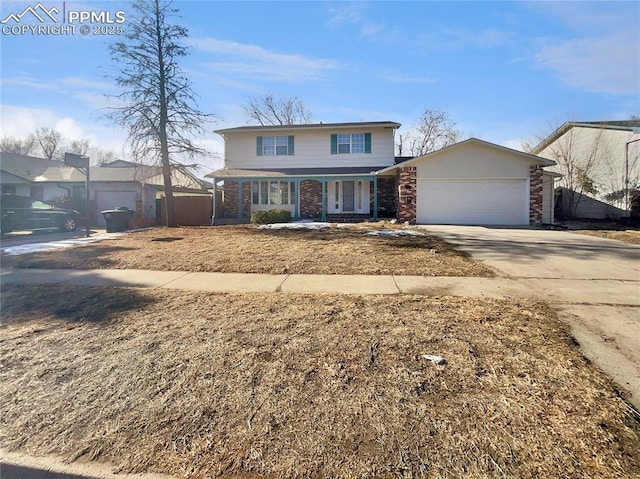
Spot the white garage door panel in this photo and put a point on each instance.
(488, 202)
(108, 200)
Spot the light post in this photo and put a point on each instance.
(626, 169)
(81, 162)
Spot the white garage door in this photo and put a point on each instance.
(108, 200)
(472, 202)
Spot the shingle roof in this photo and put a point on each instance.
(622, 125)
(316, 126)
(291, 172)
(26, 167)
(41, 170)
(477, 141)
(68, 174)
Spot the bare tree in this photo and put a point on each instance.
(268, 110)
(101, 157)
(49, 141)
(81, 146)
(578, 165)
(435, 130)
(159, 111)
(9, 144)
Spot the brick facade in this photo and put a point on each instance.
(230, 204)
(535, 194)
(310, 194)
(407, 194)
(387, 196)
(310, 199)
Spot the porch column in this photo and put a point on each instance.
(215, 202)
(296, 199)
(375, 197)
(240, 185)
(324, 199)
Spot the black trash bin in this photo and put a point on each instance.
(117, 219)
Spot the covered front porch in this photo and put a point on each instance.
(340, 196)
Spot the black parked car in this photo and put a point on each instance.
(24, 213)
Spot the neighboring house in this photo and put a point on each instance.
(607, 151)
(115, 184)
(347, 171)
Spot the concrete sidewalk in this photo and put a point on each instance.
(573, 291)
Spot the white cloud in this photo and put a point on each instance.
(98, 101)
(252, 61)
(346, 13)
(453, 38)
(354, 14)
(71, 129)
(215, 161)
(605, 64)
(601, 53)
(19, 122)
(27, 82)
(90, 93)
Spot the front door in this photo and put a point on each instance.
(348, 196)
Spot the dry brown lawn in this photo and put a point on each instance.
(204, 385)
(628, 236)
(245, 249)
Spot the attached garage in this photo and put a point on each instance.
(473, 182)
(108, 200)
(468, 202)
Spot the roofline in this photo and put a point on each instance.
(552, 173)
(311, 126)
(562, 129)
(543, 161)
(280, 174)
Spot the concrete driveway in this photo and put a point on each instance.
(593, 283)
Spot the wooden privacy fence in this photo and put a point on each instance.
(189, 210)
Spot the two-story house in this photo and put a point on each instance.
(348, 172)
(603, 154)
(321, 171)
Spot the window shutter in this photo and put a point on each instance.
(367, 142)
(334, 144)
(259, 146)
(290, 145)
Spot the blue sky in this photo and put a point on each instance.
(505, 71)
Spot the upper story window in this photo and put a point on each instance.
(274, 145)
(350, 143)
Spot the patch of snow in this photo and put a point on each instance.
(394, 233)
(307, 225)
(54, 245)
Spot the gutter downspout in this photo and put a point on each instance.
(215, 204)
